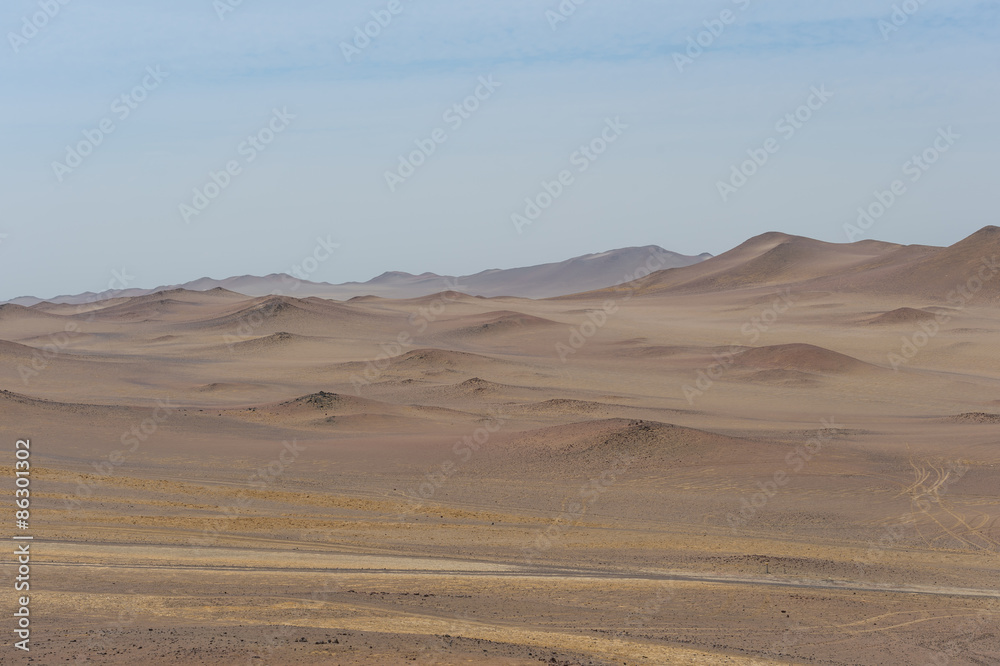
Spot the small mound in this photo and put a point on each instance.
(439, 358)
(974, 417)
(275, 340)
(477, 385)
(800, 357)
(324, 400)
(568, 406)
(502, 321)
(599, 442)
(903, 316)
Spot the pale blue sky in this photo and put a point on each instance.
(325, 174)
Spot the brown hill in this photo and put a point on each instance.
(499, 322)
(14, 351)
(802, 358)
(639, 445)
(869, 267)
(903, 316)
(9, 313)
(284, 314)
(769, 259)
(932, 273)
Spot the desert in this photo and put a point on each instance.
(783, 454)
(556, 332)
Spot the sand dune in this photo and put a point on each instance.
(14, 351)
(284, 314)
(500, 322)
(14, 313)
(642, 446)
(865, 267)
(422, 359)
(903, 316)
(282, 340)
(801, 358)
(943, 272)
(769, 259)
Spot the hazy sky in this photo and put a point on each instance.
(678, 127)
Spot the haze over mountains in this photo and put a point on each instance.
(585, 273)
(768, 260)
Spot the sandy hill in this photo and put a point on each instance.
(470, 394)
(283, 314)
(340, 412)
(424, 359)
(10, 312)
(497, 323)
(769, 259)
(176, 304)
(902, 316)
(937, 273)
(280, 341)
(14, 351)
(866, 267)
(802, 358)
(638, 445)
(75, 308)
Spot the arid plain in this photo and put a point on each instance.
(784, 454)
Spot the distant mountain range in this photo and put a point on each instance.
(587, 273)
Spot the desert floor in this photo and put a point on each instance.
(462, 480)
